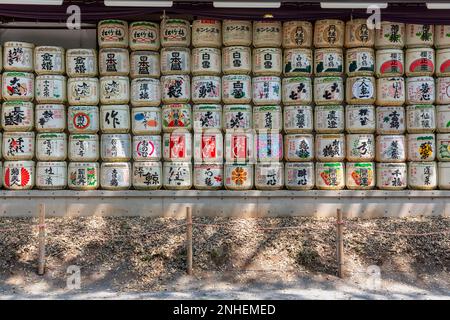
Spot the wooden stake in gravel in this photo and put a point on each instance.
(189, 240)
(340, 243)
(41, 261)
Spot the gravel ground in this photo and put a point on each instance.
(125, 257)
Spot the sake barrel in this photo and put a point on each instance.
(115, 118)
(83, 119)
(330, 147)
(50, 118)
(328, 90)
(237, 116)
(390, 63)
(175, 60)
(51, 175)
(391, 176)
(421, 147)
(83, 91)
(175, 89)
(145, 64)
(390, 91)
(236, 89)
(112, 33)
(177, 175)
(420, 90)
(329, 33)
(81, 63)
(114, 90)
(206, 89)
(360, 119)
(51, 146)
(360, 147)
(208, 146)
(175, 33)
(238, 176)
(115, 175)
(18, 175)
(359, 62)
(419, 35)
(236, 60)
(207, 116)
(443, 118)
(18, 56)
(444, 175)
(147, 175)
(267, 61)
(206, 61)
(297, 34)
(390, 120)
(51, 89)
(328, 62)
(49, 60)
(442, 36)
(269, 147)
(298, 119)
(176, 117)
(299, 175)
(360, 90)
(113, 62)
(299, 147)
(236, 32)
(17, 86)
(443, 147)
(144, 35)
(297, 62)
(146, 120)
(145, 92)
(329, 119)
(358, 34)
(297, 90)
(420, 118)
(239, 146)
(207, 33)
(147, 148)
(422, 175)
(330, 175)
(390, 148)
(269, 176)
(208, 176)
(17, 116)
(360, 175)
(267, 118)
(83, 175)
(83, 147)
(390, 35)
(177, 146)
(115, 147)
(443, 62)
(267, 33)
(419, 62)
(266, 90)
(18, 145)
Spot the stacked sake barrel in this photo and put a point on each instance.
(360, 110)
(328, 98)
(237, 109)
(145, 105)
(442, 148)
(17, 116)
(297, 95)
(391, 169)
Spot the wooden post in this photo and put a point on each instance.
(41, 261)
(340, 243)
(189, 240)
